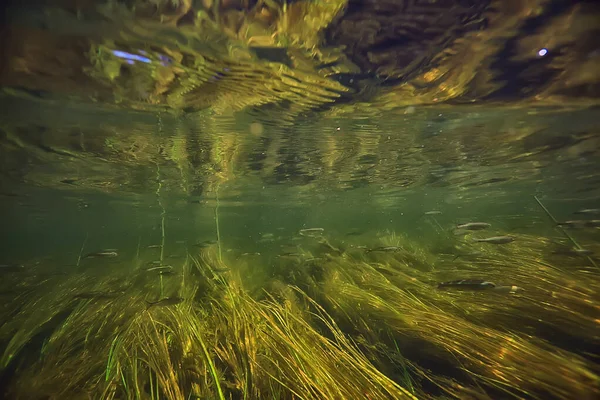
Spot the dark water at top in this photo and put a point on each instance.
(327, 147)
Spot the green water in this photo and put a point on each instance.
(299, 172)
(72, 187)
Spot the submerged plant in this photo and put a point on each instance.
(336, 325)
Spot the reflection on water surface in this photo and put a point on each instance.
(299, 199)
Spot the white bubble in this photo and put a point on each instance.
(542, 52)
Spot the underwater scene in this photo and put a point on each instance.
(300, 199)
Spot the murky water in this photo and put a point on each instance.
(272, 200)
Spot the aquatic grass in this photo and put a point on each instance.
(111, 358)
(560, 297)
(562, 230)
(300, 360)
(142, 355)
(348, 331)
(40, 311)
(153, 347)
(81, 250)
(496, 357)
(195, 333)
(524, 263)
(419, 288)
(217, 223)
(239, 357)
(310, 363)
(163, 213)
(350, 348)
(71, 346)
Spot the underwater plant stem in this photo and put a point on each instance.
(564, 232)
(110, 364)
(162, 287)
(137, 253)
(162, 223)
(437, 223)
(151, 383)
(162, 242)
(81, 250)
(212, 368)
(217, 223)
(556, 223)
(163, 212)
(135, 374)
(545, 210)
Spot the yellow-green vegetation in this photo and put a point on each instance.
(332, 322)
